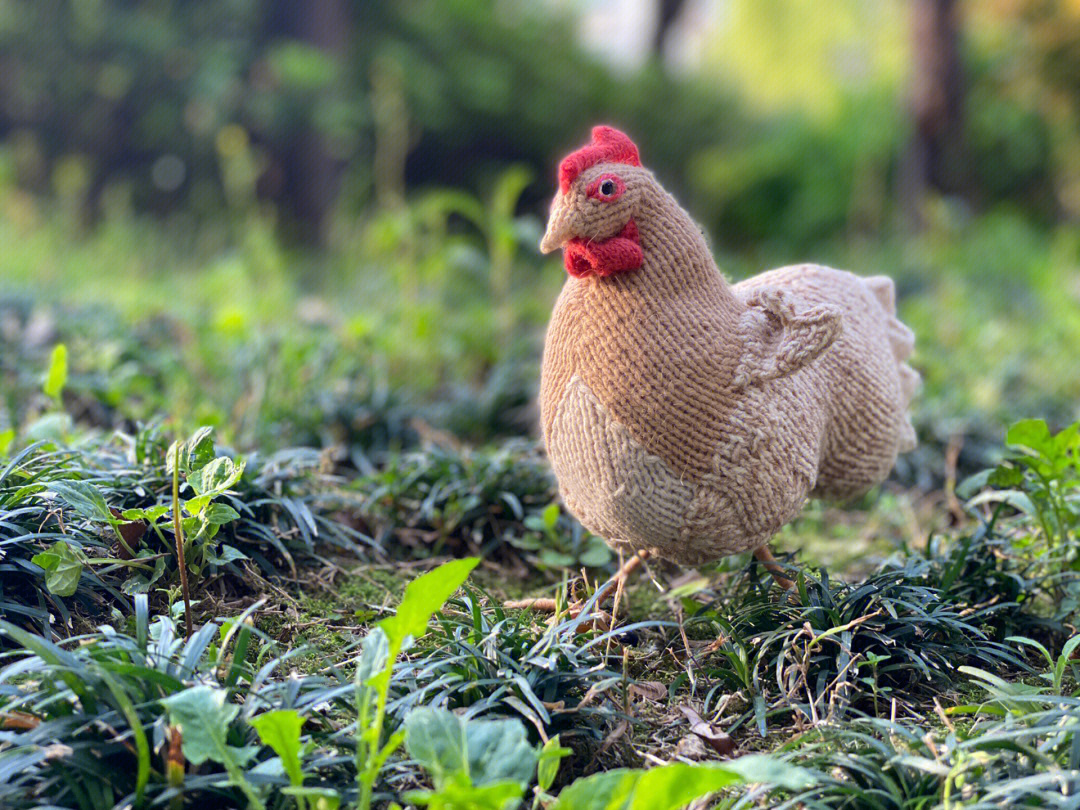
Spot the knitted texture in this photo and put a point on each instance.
(692, 417)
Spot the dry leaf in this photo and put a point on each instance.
(649, 690)
(19, 720)
(691, 747)
(718, 740)
(131, 532)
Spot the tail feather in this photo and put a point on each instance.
(884, 290)
(902, 342)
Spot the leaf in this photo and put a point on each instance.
(673, 786)
(423, 596)
(220, 514)
(6, 438)
(550, 515)
(52, 427)
(436, 739)
(1004, 477)
(317, 798)
(142, 745)
(83, 498)
(280, 729)
(596, 555)
(216, 476)
(718, 740)
(1030, 433)
(129, 533)
(204, 718)
(200, 448)
(63, 567)
(226, 554)
(56, 377)
(150, 514)
(650, 690)
(547, 766)
(972, 484)
(1018, 500)
(480, 751)
(376, 653)
(452, 796)
(499, 750)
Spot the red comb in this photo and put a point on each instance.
(608, 146)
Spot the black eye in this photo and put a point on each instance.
(607, 188)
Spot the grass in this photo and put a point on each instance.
(853, 666)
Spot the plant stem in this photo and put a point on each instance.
(178, 531)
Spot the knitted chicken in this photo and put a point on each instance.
(692, 418)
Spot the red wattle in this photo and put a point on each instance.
(618, 254)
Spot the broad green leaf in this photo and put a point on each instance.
(596, 554)
(499, 750)
(480, 751)
(423, 596)
(204, 719)
(670, 787)
(200, 448)
(555, 559)
(220, 514)
(1032, 434)
(56, 377)
(547, 767)
(63, 567)
(226, 554)
(455, 796)
(194, 506)
(216, 476)
(1005, 477)
(376, 653)
(317, 798)
(6, 438)
(52, 427)
(765, 769)
(83, 498)
(436, 739)
(280, 729)
(1070, 648)
(551, 515)
(150, 514)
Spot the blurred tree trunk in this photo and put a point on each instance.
(667, 13)
(311, 171)
(934, 159)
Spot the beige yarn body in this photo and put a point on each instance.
(694, 418)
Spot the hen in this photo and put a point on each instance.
(691, 418)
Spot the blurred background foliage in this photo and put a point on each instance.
(317, 222)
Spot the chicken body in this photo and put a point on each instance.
(693, 418)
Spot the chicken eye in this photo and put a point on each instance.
(606, 188)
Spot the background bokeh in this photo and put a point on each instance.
(317, 223)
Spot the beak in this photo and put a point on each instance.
(560, 228)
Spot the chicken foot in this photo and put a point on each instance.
(765, 557)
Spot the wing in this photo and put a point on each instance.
(782, 335)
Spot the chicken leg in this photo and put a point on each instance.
(765, 557)
(613, 587)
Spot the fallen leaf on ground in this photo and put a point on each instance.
(650, 690)
(718, 740)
